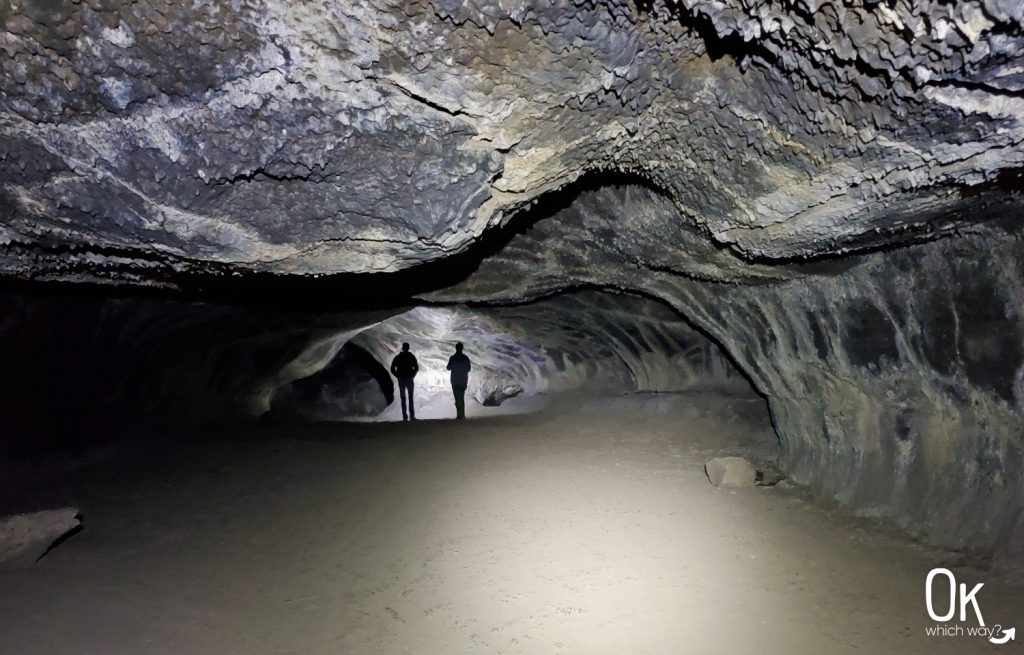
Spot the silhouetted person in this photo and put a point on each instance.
(458, 364)
(404, 367)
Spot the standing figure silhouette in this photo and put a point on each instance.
(458, 364)
(404, 367)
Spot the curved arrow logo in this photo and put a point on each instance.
(1008, 635)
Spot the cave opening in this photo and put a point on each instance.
(352, 384)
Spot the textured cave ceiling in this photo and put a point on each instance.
(143, 141)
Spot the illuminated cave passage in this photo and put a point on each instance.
(578, 343)
(740, 282)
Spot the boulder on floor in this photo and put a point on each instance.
(731, 472)
(24, 538)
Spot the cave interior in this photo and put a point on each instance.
(663, 231)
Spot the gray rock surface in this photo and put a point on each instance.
(24, 538)
(146, 139)
(586, 341)
(500, 394)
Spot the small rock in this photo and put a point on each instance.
(769, 475)
(731, 472)
(24, 538)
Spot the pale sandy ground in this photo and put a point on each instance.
(586, 531)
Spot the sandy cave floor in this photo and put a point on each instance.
(588, 528)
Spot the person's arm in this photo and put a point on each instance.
(394, 367)
(415, 365)
(450, 363)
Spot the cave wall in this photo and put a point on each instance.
(656, 348)
(81, 370)
(586, 341)
(352, 384)
(894, 378)
(897, 384)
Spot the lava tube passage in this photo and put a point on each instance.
(430, 327)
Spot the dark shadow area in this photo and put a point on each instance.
(63, 538)
(354, 383)
(376, 370)
(85, 363)
(644, 6)
(716, 45)
(57, 382)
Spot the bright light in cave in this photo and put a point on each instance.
(498, 358)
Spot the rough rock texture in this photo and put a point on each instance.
(753, 147)
(24, 538)
(733, 472)
(897, 386)
(146, 138)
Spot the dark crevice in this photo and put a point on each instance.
(421, 99)
(375, 369)
(262, 174)
(978, 86)
(1008, 180)
(719, 45)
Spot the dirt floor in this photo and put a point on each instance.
(588, 528)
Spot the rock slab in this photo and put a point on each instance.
(24, 538)
(733, 472)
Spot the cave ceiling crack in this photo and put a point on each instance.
(462, 113)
